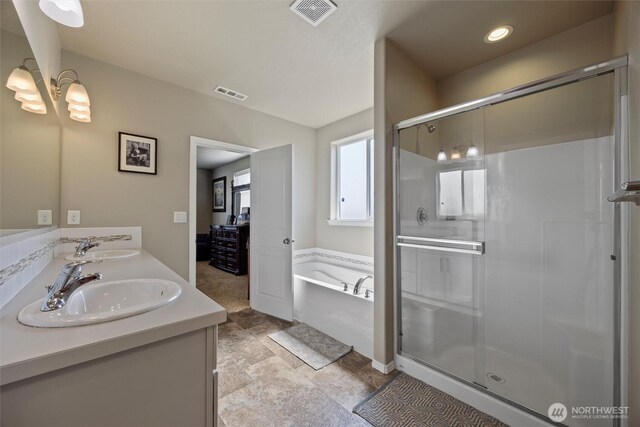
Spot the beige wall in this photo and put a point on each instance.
(402, 90)
(29, 148)
(127, 101)
(356, 240)
(587, 44)
(204, 200)
(627, 40)
(228, 170)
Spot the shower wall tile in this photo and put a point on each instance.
(344, 259)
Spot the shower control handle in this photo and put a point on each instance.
(286, 241)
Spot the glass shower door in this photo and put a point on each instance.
(505, 248)
(549, 325)
(441, 215)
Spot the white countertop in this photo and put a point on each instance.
(28, 351)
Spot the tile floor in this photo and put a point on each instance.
(262, 384)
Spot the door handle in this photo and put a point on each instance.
(286, 241)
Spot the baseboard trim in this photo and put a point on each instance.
(385, 369)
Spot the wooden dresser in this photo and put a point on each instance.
(229, 248)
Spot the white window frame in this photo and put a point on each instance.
(334, 214)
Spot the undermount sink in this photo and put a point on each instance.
(106, 254)
(102, 302)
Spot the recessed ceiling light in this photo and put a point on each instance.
(499, 33)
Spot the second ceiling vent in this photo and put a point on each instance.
(313, 11)
(232, 93)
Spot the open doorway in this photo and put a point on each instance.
(263, 196)
(220, 203)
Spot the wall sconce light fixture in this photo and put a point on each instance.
(459, 152)
(22, 83)
(77, 96)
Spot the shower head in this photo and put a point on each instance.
(431, 128)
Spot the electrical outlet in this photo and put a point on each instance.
(44, 217)
(73, 217)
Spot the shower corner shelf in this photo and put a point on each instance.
(628, 192)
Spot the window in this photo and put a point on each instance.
(461, 193)
(352, 181)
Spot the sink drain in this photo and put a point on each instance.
(495, 377)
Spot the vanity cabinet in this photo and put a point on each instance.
(229, 248)
(156, 369)
(172, 382)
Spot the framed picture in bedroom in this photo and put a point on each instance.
(137, 153)
(220, 194)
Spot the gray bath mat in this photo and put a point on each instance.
(406, 401)
(310, 345)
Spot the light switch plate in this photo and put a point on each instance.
(44, 217)
(73, 217)
(179, 217)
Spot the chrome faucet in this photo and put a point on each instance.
(84, 246)
(69, 279)
(356, 287)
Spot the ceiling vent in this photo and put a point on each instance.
(230, 93)
(313, 11)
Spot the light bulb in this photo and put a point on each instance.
(77, 94)
(472, 151)
(442, 156)
(21, 81)
(455, 154)
(66, 12)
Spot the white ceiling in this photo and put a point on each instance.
(289, 69)
(211, 158)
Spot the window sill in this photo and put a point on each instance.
(351, 222)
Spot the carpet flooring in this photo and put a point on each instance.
(224, 288)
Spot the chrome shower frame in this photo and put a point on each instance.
(617, 67)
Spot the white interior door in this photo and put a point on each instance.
(271, 229)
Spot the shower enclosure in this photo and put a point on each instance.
(508, 253)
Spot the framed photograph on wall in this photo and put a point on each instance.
(220, 194)
(137, 153)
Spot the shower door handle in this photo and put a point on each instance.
(442, 245)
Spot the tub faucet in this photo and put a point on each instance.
(84, 246)
(69, 279)
(356, 287)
